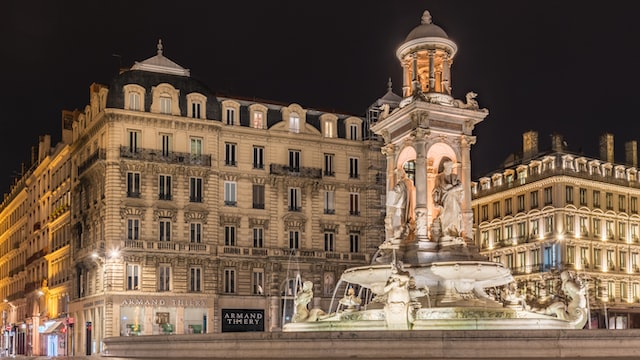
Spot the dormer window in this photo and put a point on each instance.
(230, 112)
(165, 104)
(258, 120)
(165, 99)
(328, 128)
(134, 101)
(196, 106)
(134, 97)
(294, 123)
(258, 116)
(353, 126)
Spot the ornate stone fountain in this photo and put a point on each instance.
(428, 274)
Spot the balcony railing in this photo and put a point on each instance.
(171, 157)
(286, 170)
(99, 154)
(298, 253)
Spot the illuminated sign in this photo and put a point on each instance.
(239, 320)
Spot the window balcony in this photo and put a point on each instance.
(229, 203)
(286, 170)
(170, 157)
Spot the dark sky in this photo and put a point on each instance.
(552, 66)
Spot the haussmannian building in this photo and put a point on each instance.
(170, 209)
(555, 210)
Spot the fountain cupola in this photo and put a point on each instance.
(426, 56)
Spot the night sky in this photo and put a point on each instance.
(568, 67)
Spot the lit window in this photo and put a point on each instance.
(230, 193)
(258, 120)
(133, 277)
(294, 123)
(165, 104)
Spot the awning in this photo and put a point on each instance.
(54, 327)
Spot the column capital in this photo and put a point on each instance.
(388, 149)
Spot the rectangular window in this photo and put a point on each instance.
(134, 101)
(258, 237)
(133, 229)
(165, 105)
(195, 110)
(634, 205)
(522, 229)
(229, 193)
(354, 242)
(508, 207)
(622, 203)
(195, 232)
(294, 240)
(534, 199)
(508, 229)
(569, 194)
(258, 120)
(196, 147)
(609, 229)
(354, 170)
(571, 254)
(195, 189)
(623, 260)
(230, 154)
(329, 202)
(535, 231)
(294, 123)
(258, 157)
(584, 256)
(597, 257)
(328, 165)
(195, 279)
(294, 161)
(328, 128)
(134, 141)
(485, 238)
(597, 229)
(354, 204)
(622, 230)
(548, 224)
(165, 141)
(329, 241)
(535, 257)
(257, 282)
(611, 260)
(609, 201)
(294, 199)
(133, 184)
(510, 264)
(520, 200)
(164, 278)
(258, 196)
(596, 198)
(353, 132)
(548, 195)
(231, 115)
(164, 187)
(584, 226)
(497, 235)
(496, 209)
(133, 277)
(229, 281)
(569, 222)
(485, 212)
(583, 196)
(230, 235)
(164, 230)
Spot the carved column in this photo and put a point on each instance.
(432, 71)
(421, 183)
(389, 151)
(406, 81)
(415, 78)
(446, 73)
(465, 177)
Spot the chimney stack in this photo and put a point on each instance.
(557, 144)
(606, 147)
(631, 153)
(529, 144)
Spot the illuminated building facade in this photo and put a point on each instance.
(185, 211)
(549, 211)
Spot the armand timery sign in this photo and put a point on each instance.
(238, 320)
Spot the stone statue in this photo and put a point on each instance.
(350, 301)
(470, 104)
(403, 204)
(303, 298)
(447, 196)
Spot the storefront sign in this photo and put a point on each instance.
(239, 320)
(163, 302)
